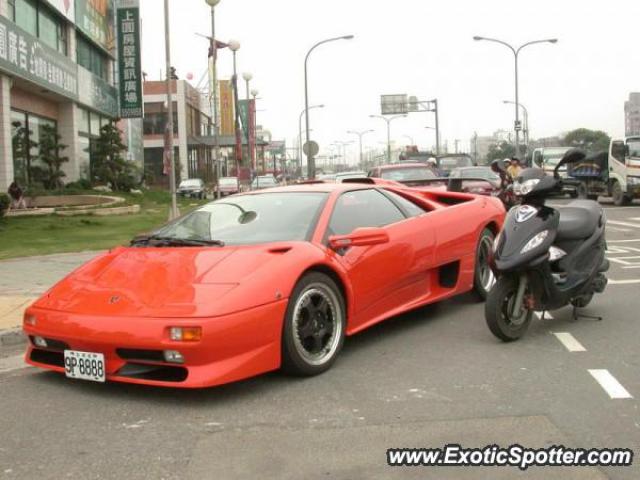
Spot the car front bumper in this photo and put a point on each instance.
(233, 347)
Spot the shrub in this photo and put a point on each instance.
(4, 203)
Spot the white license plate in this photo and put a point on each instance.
(84, 365)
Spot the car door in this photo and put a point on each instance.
(383, 277)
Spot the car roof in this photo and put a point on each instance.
(320, 187)
(391, 166)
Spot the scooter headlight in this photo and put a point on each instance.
(522, 189)
(536, 241)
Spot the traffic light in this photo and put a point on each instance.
(173, 74)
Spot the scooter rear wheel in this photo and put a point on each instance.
(498, 311)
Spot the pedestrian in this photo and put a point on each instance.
(514, 169)
(17, 197)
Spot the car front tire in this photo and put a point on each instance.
(314, 326)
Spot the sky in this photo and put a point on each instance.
(418, 47)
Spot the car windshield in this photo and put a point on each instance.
(250, 219)
(228, 181)
(552, 156)
(190, 183)
(449, 163)
(475, 172)
(408, 173)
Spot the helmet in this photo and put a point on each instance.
(507, 161)
(432, 161)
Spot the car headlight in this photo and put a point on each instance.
(536, 241)
(525, 187)
(633, 180)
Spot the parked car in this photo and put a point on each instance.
(263, 181)
(342, 176)
(262, 281)
(192, 187)
(477, 180)
(228, 185)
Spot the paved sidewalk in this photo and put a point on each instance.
(23, 280)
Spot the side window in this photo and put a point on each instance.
(634, 148)
(408, 206)
(618, 150)
(362, 208)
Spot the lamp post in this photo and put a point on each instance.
(360, 135)
(213, 94)
(254, 93)
(388, 120)
(173, 213)
(343, 144)
(516, 52)
(311, 173)
(305, 110)
(526, 121)
(234, 46)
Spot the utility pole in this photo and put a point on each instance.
(173, 213)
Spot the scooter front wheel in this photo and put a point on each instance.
(499, 313)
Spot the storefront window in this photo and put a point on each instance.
(26, 132)
(48, 28)
(84, 121)
(12, 10)
(95, 124)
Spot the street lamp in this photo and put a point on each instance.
(516, 52)
(173, 213)
(234, 46)
(360, 135)
(388, 120)
(310, 162)
(247, 78)
(343, 153)
(526, 121)
(308, 132)
(213, 86)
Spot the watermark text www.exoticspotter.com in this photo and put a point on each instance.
(513, 456)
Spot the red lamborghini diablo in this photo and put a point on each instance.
(259, 281)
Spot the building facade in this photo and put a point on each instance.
(632, 114)
(57, 69)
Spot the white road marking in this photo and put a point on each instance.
(616, 229)
(570, 342)
(547, 315)
(623, 282)
(610, 384)
(623, 241)
(635, 219)
(623, 224)
(10, 364)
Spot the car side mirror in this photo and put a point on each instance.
(360, 237)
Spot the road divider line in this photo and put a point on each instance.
(623, 241)
(610, 385)
(623, 224)
(547, 315)
(10, 364)
(570, 342)
(617, 229)
(623, 282)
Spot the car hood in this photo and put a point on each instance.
(177, 282)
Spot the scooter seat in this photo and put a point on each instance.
(579, 220)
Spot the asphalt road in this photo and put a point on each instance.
(424, 379)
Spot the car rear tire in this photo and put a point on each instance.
(483, 278)
(314, 326)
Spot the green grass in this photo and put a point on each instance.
(27, 236)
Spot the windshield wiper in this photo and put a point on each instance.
(157, 240)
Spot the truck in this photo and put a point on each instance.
(615, 173)
(547, 158)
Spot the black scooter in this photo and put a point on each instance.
(545, 258)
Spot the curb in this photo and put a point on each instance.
(13, 337)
